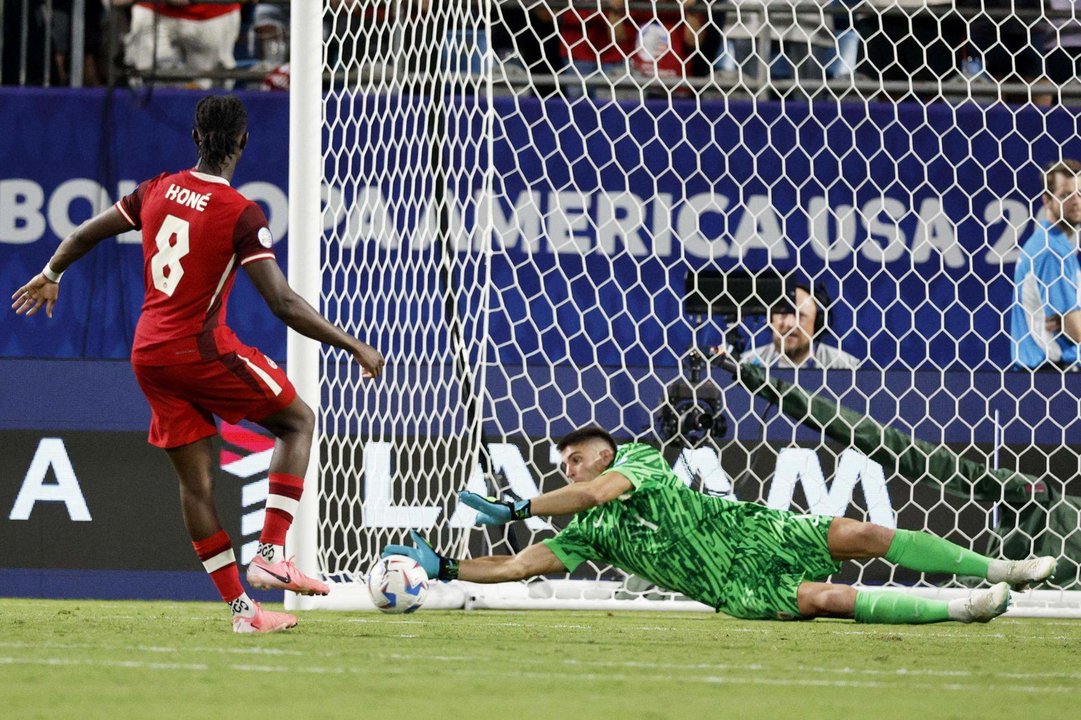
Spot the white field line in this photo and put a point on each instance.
(768, 627)
(239, 651)
(389, 620)
(901, 672)
(153, 648)
(1022, 621)
(568, 677)
(892, 630)
(875, 631)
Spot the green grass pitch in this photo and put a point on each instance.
(87, 660)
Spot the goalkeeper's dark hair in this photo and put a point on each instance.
(585, 434)
(220, 121)
(1067, 167)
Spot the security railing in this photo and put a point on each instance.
(758, 22)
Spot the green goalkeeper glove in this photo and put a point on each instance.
(435, 565)
(491, 511)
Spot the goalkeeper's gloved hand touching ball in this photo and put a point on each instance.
(490, 511)
(435, 565)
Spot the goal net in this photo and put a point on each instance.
(538, 211)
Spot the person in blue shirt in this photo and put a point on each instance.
(1045, 320)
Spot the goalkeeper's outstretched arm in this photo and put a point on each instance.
(573, 498)
(534, 560)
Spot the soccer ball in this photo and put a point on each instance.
(397, 584)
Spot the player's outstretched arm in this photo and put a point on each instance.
(534, 560)
(44, 288)
(568, 500)
(295, 312)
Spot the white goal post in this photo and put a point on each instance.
(538, 211)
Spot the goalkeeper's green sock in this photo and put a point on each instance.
(930, 553)
(898, 608)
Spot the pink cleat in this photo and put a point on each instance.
(283, 575)
(265, 621)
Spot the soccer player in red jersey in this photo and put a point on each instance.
(197, 230)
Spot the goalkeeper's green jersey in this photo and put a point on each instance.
(708, 548)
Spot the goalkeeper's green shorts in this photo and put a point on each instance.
(776, 552)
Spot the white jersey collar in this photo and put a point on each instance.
(209, 178)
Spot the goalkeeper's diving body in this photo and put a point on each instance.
(744, 559)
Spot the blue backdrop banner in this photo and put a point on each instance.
(69, 154)
(910, 215)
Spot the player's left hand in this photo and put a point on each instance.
(491, 511)
(28, 299)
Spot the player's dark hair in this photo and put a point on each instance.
(220, 121)
(1067, 167)
(585, 434)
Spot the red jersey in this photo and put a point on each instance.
(195, 11)
(196, 231)
(588, 35)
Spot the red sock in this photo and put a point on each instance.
(216, 554)
(281, 506)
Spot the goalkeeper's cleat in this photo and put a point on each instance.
(982, 605)
(1021, 573)
(264, 621)
(283, 575)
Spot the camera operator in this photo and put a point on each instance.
(798, 322)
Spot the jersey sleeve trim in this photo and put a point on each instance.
(124, 212)
(260, 256)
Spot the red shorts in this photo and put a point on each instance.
(244, 384)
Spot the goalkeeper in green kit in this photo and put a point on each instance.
(744, 559)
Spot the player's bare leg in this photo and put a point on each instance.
(854, 540)
(891, 607)
(293, 427)
(194, 469)
(193, 465)
(816, 599)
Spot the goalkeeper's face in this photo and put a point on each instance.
(585, 461)
(1064, 205)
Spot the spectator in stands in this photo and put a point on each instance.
(61, 26)
(842, 61)
(1010, 46)
(665, 43)
(910, 40)
(798, 322)
(23, 59)
(525, 43)
(182, 35)
(798, 44)
(270, 33)
(1045, 320)
(1063, 42)
(593, 44)
(270, 29)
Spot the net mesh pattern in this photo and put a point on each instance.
(542, 212)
